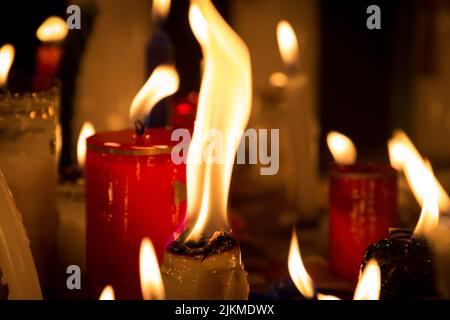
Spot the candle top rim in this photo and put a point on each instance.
(362, 170)
(126, 142)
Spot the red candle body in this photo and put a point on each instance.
(363, 206)
(133, 190)
(48, 58)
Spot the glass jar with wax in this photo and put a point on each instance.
(133, 190)
(28, 121)
(363, 206)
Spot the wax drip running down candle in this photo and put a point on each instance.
(205, 262)
(160, 51)
(302, 125)
(16, 261)
(7, 53)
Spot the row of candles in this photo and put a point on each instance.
(131, 183)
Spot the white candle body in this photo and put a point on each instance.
(16, 261)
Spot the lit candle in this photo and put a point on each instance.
(302, 124)
(133, 191)
(205, 263)
(51, 33)
(151, 282)
(7, 53)
(16, 261)
(363, 206)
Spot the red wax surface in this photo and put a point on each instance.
(133, 190)
(184, 111)
(363, 206)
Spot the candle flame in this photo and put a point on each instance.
(53, 29)
(86, 131)
(162, 83)
(224, 106)
(278, 79)
(369, 283)
(7, 53)
(160, 9)
(151, 282)
(297, 270)
(342, 148)
(287, 43)
(405, 157)
(107, 293)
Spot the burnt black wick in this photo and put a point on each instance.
(139, 127)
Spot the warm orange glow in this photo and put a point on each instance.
(429, 217)
(287, 43)
(369, 283)
(279, 80)
(86, 131)
(224, 106)
(342, 148)
(151, 282)
(160, 9)
(297, 270)
(53, 29)
(107, 293)
(162, 83)
(7, 53)
(405, 157)
(325, 297)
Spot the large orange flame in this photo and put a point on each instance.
(151, 282)
(405, 157)
(224, 108)
(7, 53)
(369, 283)
(53, 29)
(342, 148)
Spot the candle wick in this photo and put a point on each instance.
(139, 127)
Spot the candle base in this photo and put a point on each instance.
(406, 264)
(210, 269)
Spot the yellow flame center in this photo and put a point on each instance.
(53, 29)
(107, 293)
(7, 53)
(369, 283)
(86, 131)
(287, 43)
(342, 148)
(151, 282)
(160, 9)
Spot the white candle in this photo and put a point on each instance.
(16, 261)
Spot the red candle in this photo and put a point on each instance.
(363, 206)
(133, 190)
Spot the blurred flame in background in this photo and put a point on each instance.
(288, 44)
(107, 293)
(369, 284)
(7, 53)
(152, 286)
(53, 29)
(86, 131)
(342, 148)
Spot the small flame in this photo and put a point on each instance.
(151, 282)
(163, 82)
(405, 157)
(287, 43)
(224, 106)
(107, 294)
(86, 131)
(297, 270)
(369, 283)
(160, 9)
(342, 148)
(53, 29)
(7, 53)
(278, 80)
